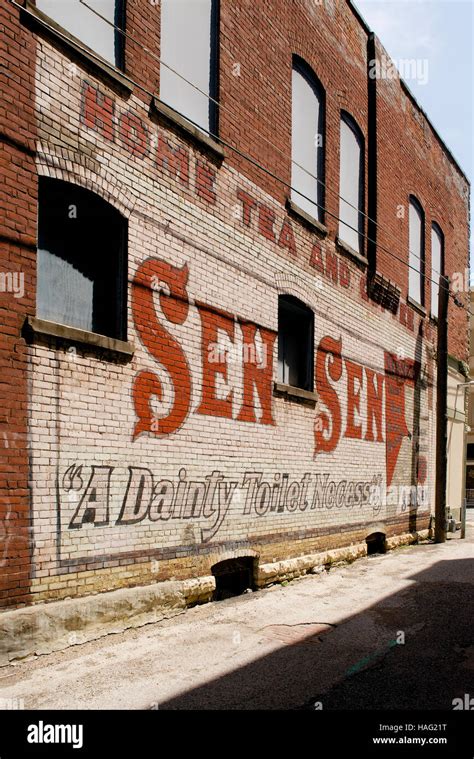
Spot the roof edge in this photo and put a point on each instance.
(409, 93)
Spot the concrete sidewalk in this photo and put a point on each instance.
(391, 631)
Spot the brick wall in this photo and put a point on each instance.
(160, 466)
(18, 209)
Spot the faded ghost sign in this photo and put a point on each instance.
(138, 505)
(384, 392)
(171, 282)
(147, 498)
(329, 427)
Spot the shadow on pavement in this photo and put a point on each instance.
(361, 663)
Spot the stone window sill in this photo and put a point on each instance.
(38, 21)
(416, 306)
(295, 393)
(350, 252)
(39, 329)
(210, 145)
(306, 218)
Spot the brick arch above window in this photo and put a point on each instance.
(290, 284)
(82, 173)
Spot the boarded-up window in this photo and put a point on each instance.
(295, 343)
(96, 33)
(351, 185)
(416, 252)
(188, 46)
(307, 147)
(81, 263)
(437, 255)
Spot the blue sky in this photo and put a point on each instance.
(440, 32)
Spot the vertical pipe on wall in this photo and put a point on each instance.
(441, 411)
(371, 155)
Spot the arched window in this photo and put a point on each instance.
(416, 255)
(437, 265)
(295, 343)
(189, 34)
(351, 184)
(95, 32)
(307, 141)
(82, 262)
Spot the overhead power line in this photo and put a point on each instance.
(238, 152)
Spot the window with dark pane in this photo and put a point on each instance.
(82, 266)
(295, 343)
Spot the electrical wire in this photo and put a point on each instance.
(251, 160)
(226, 108)
(159, 60)
(243, 155)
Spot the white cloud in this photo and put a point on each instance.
(406, 28)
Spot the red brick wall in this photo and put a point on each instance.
(257, 41)
(17, 255)
(256, 44)
(142, 45)
(262, 37)
(412, 161)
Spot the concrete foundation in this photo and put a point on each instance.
(54, 626)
